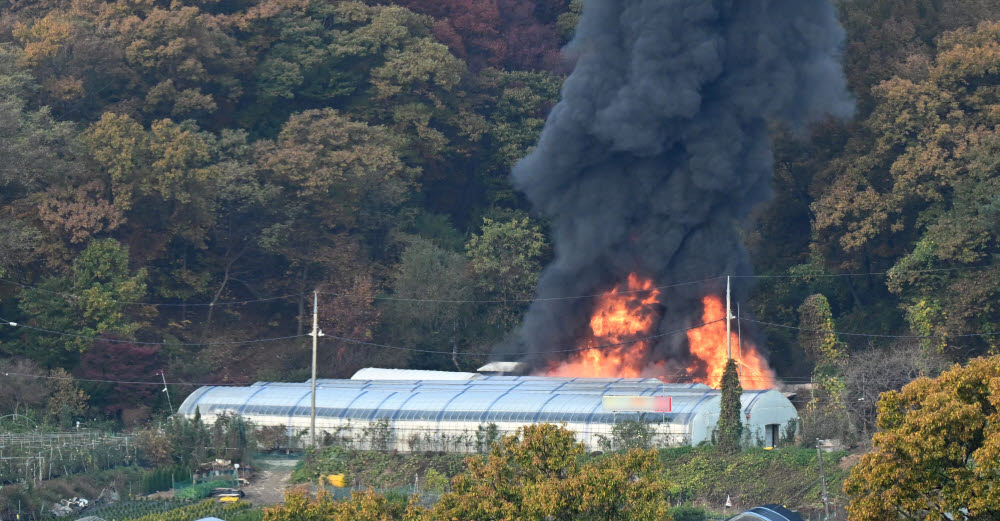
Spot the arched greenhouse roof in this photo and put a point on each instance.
(535, 400)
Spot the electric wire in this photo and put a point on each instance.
(73, 296)
(870, 335)
(495, 301)
(377, 297)
(136, 342)
(868, 274)
(359, 342)
(526, 300)
(520, 355)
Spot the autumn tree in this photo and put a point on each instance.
(729, 429)
(111, 358)
(937, 452)
(350, 174)
(67, 402)
(870, 373)
(423, 312)
(98, 296)
(506, 260)
(361, 506)
(512, 34)
(914, 190)
(537, 474)
(23, 385)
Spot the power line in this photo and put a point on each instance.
(493, 301)
(136, 342)
(869, 274)
(521, 355)
(524, 300)
(870, 335)
(157, 304)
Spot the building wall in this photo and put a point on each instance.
(456, 417)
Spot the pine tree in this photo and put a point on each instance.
(730, 429)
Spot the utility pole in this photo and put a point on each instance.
(315, 334)
(822, 476)
(170, 405)
(729, 316)
(739, 341)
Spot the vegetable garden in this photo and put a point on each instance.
(26, 457)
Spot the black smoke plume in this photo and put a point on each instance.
(659, 149)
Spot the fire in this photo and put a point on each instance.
(629, 312)
(622, 314)
(708, 345)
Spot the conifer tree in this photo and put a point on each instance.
(730, 427)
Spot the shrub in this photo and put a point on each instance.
(201, 490)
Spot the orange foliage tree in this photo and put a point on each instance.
(937, 455)
(537, 474)
(362, 506)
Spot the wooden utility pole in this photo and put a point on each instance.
(739, 341)
(822, 477)
(729, 315)
(315, 335)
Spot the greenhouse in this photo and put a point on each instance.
(426, 411)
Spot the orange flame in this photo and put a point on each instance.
(708, 345)
(620, 315)
(629, 312)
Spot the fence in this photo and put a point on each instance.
(36, 456)
(383, 435)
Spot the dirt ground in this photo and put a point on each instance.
(267, 485)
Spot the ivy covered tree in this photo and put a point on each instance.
(729, 429)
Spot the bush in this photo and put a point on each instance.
(163, 478)
(689, 513)
(201, 490)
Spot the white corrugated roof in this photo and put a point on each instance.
(376, 373)
(504, 367)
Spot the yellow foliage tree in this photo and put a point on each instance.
(937, 455)
(362, 506)
(536, 474)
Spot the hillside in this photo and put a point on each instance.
(178, 177)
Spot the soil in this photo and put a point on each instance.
(267, 485)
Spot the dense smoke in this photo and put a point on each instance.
(659, 149)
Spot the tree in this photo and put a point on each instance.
(870, 373)
(916, 190)
(110, 358)
(350, 174)
(428, 272)
(362, 506)
(827, 415)
(537, 474)
(513, 34)
(627, 435)
(24, 386)
(98, 296)
(937, 454)
(506, 260)
(729, 430)
(67, 401)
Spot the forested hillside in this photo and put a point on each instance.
(176, 178)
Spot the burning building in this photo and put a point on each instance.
(647, 170)
(444, 411)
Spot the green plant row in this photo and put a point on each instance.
(130, 509)
(239, 511)
(200, 491)
(165, 478)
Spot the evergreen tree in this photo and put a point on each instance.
(730, 428)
